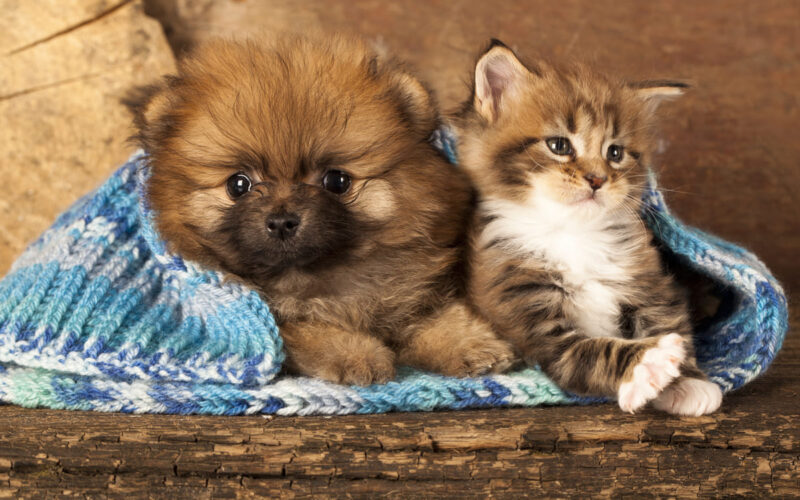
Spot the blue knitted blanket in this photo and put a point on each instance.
(98, 315)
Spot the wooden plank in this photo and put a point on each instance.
(752, 446)
(64, 67)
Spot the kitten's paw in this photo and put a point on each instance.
(690, 397)
(371, 364)
(657, 368)
(480, 356)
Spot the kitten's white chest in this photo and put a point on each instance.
(593, 276)
(586, 254)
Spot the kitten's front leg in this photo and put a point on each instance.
(337, 355)
(691, 394)
(456, 342)
(533, 309)
(635, 371)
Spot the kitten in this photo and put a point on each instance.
(562, 264)
(304, 169)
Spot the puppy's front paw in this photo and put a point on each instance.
(690, 397)
(369, 362)
(479, 356)
(657, 368)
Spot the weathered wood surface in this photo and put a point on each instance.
(750, 447)
(64, 65)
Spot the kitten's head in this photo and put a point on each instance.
(295, 154)
(568, 136)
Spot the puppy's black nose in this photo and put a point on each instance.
(282, 226)
(595, 181)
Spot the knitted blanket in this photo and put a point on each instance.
(98, 315)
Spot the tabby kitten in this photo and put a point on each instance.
(562, 264)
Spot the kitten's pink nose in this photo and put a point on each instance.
(595, 181)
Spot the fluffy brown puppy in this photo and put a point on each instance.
(304, 169)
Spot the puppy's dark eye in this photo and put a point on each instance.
(560, 146)
(336, 181)
(238, 185)
(615, 153)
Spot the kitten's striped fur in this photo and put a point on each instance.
(564, 271)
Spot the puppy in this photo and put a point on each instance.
(303, 168)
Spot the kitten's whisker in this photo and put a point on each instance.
(646, 208)
(530, 156)
(646, 126)
(634, 213)
(667, 190)
(528, 153)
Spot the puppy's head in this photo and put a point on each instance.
(266, 157)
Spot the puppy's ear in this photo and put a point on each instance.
(416, 101)
(499, 76)
(653, 92)
(149, 105)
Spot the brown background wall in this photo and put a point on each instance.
(731, 154)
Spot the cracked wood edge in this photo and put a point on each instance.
(550, 451)
(97, 17)
(38, 88)
(61, 98)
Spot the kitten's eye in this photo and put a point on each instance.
(560, 146)
(336, 181)
(615, 153)
(238, 185)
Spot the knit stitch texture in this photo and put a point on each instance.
(98, 315)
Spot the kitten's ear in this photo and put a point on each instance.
(654, 92)
(498, 78)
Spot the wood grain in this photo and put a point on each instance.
(64, 66)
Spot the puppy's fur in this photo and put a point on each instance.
(369, 276)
